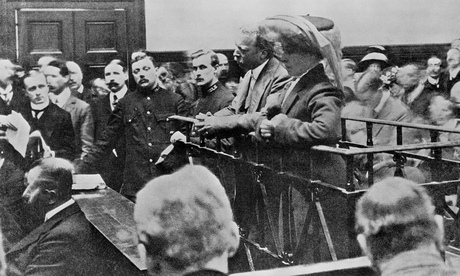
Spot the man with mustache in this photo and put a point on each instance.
(141, 120)
(116, 75)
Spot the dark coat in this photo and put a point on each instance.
(313, 108)
(55, 125)
(140, 118)
(63, 245)
(112, 170)
(213, 101)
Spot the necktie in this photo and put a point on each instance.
(115, 101)
(37, 112)
(6, 98)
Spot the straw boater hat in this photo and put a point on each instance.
(322, 34)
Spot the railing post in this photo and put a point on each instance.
(344, 129)
(370, 156)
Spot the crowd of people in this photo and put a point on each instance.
(296, 88)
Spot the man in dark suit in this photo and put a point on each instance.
(140, 119)
(64, 243)
(417, 94)
(452, 74)
(75, 83)
(54, 123)
(58, 76)
(116, 75)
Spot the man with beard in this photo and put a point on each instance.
(417, 97)
(141, 120)
(116, 76)
(223, 68)
(75, 83)
(58, 76)
(64, 244)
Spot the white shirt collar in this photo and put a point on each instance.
(453, 73)
(120, 94)
(258, 69)
(61, 98)
(56, 210)
(385, 96)
(80, 89)
(433, 81)
(7, 90)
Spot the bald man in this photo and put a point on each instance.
(75, 83)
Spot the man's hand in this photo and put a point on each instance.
(5, 122)
(205, 124)
(267, 127)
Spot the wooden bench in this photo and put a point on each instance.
(348, 267)
(112, 215)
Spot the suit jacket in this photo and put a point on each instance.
(55, 125)
(140, 119)
(272, 78)
(393, 110)
(83, 125)
(63, 245)
(87, 95)
(112, 170)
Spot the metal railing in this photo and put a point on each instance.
(288, 251)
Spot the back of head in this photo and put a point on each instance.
(55, 174)
(396, 215)
(185, 219)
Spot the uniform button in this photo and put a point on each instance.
(150, 160)
(148, 98)
(149, 128)
(150, 144)
(148, 112)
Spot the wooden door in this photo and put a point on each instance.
(90, 37)
(100, 36)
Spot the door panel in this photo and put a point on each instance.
(89, 37)
(100, 36)
(44, 33)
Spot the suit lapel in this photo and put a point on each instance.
(242, 94)
(69, 106)
(265, 78)
(45, 227)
